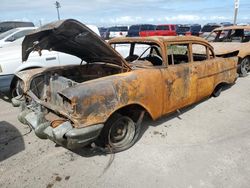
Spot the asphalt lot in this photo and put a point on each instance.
(208, 145)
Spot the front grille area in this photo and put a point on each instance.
(57, 84)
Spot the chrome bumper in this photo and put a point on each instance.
(64, 134)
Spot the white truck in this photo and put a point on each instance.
(10, 62)
(14, 34)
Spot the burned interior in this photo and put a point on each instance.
(139, 53)
(61, 78)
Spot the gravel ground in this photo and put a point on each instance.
(207, 145)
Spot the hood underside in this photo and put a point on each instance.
(71, 37)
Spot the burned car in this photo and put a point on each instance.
(233, 38)
(104, 101)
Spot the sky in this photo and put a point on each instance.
(125, 12)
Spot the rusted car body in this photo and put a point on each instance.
(230, 39)
(104, 101)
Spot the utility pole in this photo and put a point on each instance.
(57, 8)
(40, 23)
(236, 9)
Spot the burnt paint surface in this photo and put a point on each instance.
(227, 47)
(160, 90)
(100, 98)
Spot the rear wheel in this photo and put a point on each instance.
(119, 133)
(244, 67)
(217, 91)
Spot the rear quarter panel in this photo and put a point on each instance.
(216, 71)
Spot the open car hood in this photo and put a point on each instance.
(71, 37)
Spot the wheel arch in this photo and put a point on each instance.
(244, 57)
(132, 110)
(243, 54)
(14, 79)
(219, 85)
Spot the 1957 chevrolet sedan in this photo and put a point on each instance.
(104, 101)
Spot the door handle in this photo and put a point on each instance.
(50, 58)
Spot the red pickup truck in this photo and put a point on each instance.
(161, 30)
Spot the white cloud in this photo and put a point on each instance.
(183, 17)
(111, 12)
(124, 20)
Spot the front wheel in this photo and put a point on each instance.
(16, 92)
(119, 133)
(244, 67)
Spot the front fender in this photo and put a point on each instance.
(29, 65)
(96, 100)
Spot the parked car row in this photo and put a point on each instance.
(144, 30)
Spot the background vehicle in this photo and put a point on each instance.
(117, 31)
(103, 32)
(231, 39)
(161, 30)
(134, 30)
(10, 62)
(207, 29)
(224, 24)
(14, 34)
(188, 30)
(5, 26)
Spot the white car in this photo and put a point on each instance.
(10, 62)
(14, 34)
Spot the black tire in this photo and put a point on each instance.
(119, 133)
(217, 91)
(244, 67)
(15, 89)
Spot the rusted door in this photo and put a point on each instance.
(178, 86)
(177, 77)
(206, 72)
(204, 69)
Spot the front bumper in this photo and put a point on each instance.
(5, 82)
(64, 134)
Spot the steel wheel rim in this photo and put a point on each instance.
(245, 66)
(18, 91)
(122, 132)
